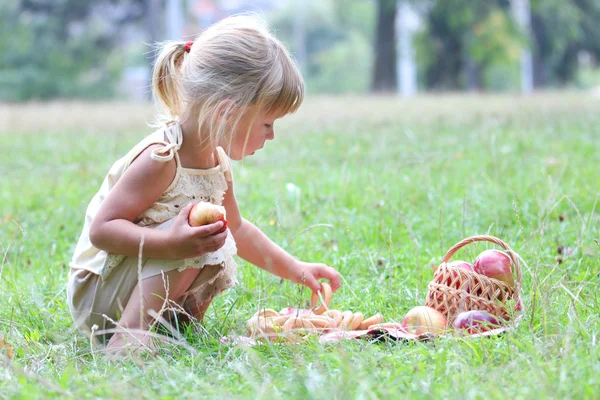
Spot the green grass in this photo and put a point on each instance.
(387, 187)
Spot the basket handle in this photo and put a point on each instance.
(515, 266)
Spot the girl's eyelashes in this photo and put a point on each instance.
(268, 126)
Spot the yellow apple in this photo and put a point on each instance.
(204, 213)
(423, 319)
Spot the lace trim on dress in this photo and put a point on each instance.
(188, 189)
(189, 186)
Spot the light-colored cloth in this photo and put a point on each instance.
(101, 282)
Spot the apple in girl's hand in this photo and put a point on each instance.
(495, 264)
(476, 321)
(423, 319)
(204, 213)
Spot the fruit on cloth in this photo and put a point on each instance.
(423, 319)
(266, 313)
(495, 264)
(320, 322)
(280, 320)
(298, 324)
(264, 327)
(347, 317)
(351, 321)
(294, 311)
(357, 319)
(314, 299)
(374, 320)
(204, 213)
(335, 316)
(265, 321)
(476, 321)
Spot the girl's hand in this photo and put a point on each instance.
(309, 274)
(189, 242)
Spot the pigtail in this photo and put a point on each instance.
(234, 64)
(166, 78)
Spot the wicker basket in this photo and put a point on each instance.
(454, 290)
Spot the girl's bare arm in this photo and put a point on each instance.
(255, 247)
(140, 186)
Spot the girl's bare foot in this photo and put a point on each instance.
(126, 342)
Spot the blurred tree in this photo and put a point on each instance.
(474, 45)
(336, 43)
(495, 43)
(464, 40)
(384, 71)
(555, 29)
(61, 48)
(562, 29)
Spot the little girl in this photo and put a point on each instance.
(221, 95)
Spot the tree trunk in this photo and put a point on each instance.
(539, 45)
(474, 79)
(521, 11)
(384, 71)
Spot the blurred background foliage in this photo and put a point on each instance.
(86, 48)
(62, 48)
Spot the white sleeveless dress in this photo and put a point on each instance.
(101, 283)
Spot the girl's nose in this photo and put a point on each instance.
(271, 135)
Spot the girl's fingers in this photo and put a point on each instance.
(210, 229)
(184, 213)
(217, 241)
(334, 279)
(311, 282)
(331, 275)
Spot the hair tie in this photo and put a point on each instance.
(188, 46)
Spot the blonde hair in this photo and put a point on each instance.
(234, 64)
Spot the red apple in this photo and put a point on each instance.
(476, 321)
(423, 319)
(461, 264)
(458, 264)
(495, 264)
(204, 213)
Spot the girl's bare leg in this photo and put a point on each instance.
(197, 310)
(190, 303)
(149, 294)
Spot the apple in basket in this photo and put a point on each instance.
(451, 280)
(204, 213)
(461, 264)
(495, 264)
(476, 321)
(423, 319)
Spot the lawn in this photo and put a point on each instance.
(379, 188)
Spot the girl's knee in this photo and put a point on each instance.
(173, 284)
